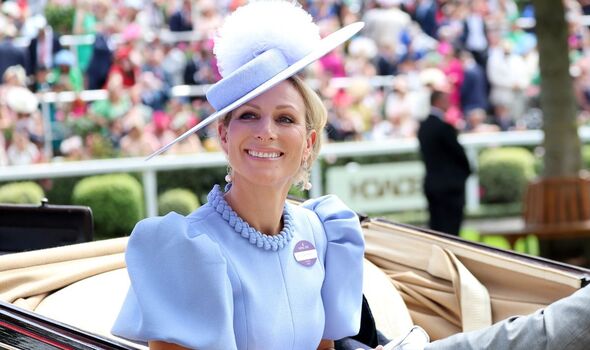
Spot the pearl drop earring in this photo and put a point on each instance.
(228, 177)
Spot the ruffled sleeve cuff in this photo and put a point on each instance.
(180, 290)
(343, 283)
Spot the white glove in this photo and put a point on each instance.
(415, 339)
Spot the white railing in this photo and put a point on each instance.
(472, 143)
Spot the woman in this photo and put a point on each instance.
(247, 269)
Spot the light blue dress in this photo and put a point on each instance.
(210, 281)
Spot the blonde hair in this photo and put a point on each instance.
(316, 117)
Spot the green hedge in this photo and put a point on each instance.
(179, 200)
(21, 193)
(198, 181)
(504, 174)
(60, 189)
(60, 17)
(116, 201)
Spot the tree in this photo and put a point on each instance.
(562, 143)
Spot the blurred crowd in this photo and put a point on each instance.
(376, 87)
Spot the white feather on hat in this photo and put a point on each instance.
(279, 24)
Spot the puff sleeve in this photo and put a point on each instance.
(343, 282)
(180, 290)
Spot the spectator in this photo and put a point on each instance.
(87, 15)
(176, 63)
(199, 66)
(333, 64)
(362, 104)
(362, 51)
(152, 16)
(387, 60)
(116, 133)
(182, 19)
(160, 128)
(474, 93)
(21, 150)
(475, 32)
(41, 50)
(126, 66)
(102, 55)
(14, 76)
(138, 107)
(23, 105)
(10, 55)
(14, 13)
(385, 23)
(181, 123)
(447, 167)
(476, 121)
(581, 75)
(72, 148)
(3, 155)
(117, 104)
(137, 142)
(452, 66)
(209, 19)
(399, 121)
(509, 79)
(66, 76)
(154, 80)
(129, 10)
(341, 125)
(425, 15)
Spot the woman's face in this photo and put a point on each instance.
(266, 139)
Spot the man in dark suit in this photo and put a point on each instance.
(41, 51)
(181, 20)
(447, 167)
(10, 55)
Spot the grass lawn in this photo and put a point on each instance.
(528, 245)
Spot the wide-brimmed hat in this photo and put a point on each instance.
(21, 100)
(258, 46)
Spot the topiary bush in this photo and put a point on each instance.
(116, 201)
(504, 174)
(21, 193)
(179, 200)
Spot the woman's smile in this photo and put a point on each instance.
(263, 154)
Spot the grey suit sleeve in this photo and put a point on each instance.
(565, 324)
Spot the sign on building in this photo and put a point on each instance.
(377, 188)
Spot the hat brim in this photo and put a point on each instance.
(325, 45)
(21, 100)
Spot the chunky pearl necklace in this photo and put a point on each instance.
(257, 238)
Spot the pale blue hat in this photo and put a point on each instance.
(64, 58)
(260, 45)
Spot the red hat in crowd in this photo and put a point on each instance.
(123, 52)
